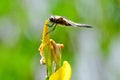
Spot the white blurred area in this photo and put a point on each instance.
(90, 64)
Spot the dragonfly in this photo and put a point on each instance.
(55, 20)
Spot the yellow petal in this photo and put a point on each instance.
(63, 73)
(56, 50)
(45, 50)
(45, 36)
(45, 42)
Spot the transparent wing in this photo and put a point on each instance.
(84, 25)
(79, 25)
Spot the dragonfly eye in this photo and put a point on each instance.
(51, 19)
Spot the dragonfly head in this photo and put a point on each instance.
(52, 18)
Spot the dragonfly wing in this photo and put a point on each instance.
(77, 24)
(72, 23)
(83, 25)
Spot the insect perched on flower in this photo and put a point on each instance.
(63, 21)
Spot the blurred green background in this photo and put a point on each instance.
(94, 54)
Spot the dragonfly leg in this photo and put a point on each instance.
(52, 29)
(50, 25)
